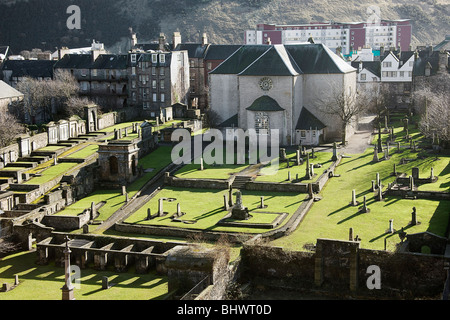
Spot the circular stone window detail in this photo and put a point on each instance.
(266, 84)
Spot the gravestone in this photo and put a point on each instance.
(230, 196)
(432, 174)
(225, 202)
(85, 229)
(395, 169)
(124, 190)
(16, 280)
(179, 214)
(391, 226)
(311, 170)
(239, 211)
(350, 234)
(93, 211)
(160, 207)
(414, 217)
(398, 147)
(149, 214)
(375, 155)
(415, 173)
(310, 191)
(298, 157)
(373, 186)
(364, 208)
(282, 154)
(378, 181)
(380, 194)
(411, 183)
(262, 205)
(334, 157)
(354, 202)
(105, 283)
(289, 176)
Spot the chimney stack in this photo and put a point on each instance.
(162, 42)
(204, 39)
(176, 40)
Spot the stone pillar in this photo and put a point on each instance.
(289, 176)
(391, 226)
(160, 208)
(225, 202)
(310, 191)
(298, 157)
(178, 210)
(149, 214)
(375, 155)
(414, 217)
(378, 182)
(432, 174)
(395, 169)
(124, 190)
(67, 289)
(334, 157)
(380, 194)
(261, 205)
(354, 203)
(230, 197)
(411, 183)
(350, 234)
(93, 211)
(282, 154)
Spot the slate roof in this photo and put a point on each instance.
(30, 68)
(195, 50)
(443, 44)
(308, 58)
(241, 59)
(307, 120)
(221, 51)
(110, 61)
(372, 66)
(231, 122)
(265, 103)
(75, 61)
(6, 91)
(276, 61)
(424, 58)
(315, 58)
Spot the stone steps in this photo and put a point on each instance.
(240, 181)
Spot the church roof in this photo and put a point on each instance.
(316, 58)
(221, 51)
(274, 62)
(6, 91)
(241, 59)
(265, 103)
(307, 120)
(295, 59)
(231, 122)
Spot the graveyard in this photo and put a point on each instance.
(390, 195)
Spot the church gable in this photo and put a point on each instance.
(274, 62)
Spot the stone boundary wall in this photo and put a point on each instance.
(198, 183)
(433, 195)
(340, 268)
(107, 120)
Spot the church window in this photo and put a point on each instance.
(262, 124)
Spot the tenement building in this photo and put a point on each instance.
(280, 87)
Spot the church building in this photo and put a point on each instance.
(266, 87)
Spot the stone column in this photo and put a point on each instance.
(225, 202)
(391, 226)
(160, 208)
(67, 289)
(414, 217)
(354, 203)
(149, 214)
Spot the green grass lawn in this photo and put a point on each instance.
(206, 208)
(52, 172)
(114, 199)
(45, 282)
(52, 148)
(333, 216)
(84, 152)
(281, 176)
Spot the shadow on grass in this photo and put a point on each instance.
(389, 235)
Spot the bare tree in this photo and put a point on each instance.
(75, 106)
(432, 101)
(9, 128)
(212, 118)
(345, 103)
(41, 96)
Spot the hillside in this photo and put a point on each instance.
(26, 24)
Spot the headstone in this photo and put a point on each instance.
(149, 214)
(289, 176)
(391, 226)
(105, 283)
(225, 202)
(298, 157)
(350, 234)
(16, 280)
(127, 198)
(262, 205)
(380, 194)
(55, 160)
(415, 173)
(93, 211)
(160, 208)
(432, 174)
(85, 229)
(308, 172)
(124, 190)
(373, 186)
(414, 217)
(126, 132)
(230, 196)
(375, 154)
(313, 153)
(310, 191)
(395, 169)
(354, 203)
(311, 170)
(334, 158)
(283, 154)
(411, 183)
(364, 208)
(378, 181)
(67, 289)
(288, 163)
(178, 210)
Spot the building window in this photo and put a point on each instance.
(154, 84)
(363, 76)
(155, 97)
(303, 134)
(162, 58)
(387, 64)
(402, 73)
(154, 58)
(161, 71)
(133, 58)
(133, 71)
(162, 85)
(262, 124)
(154, 71)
